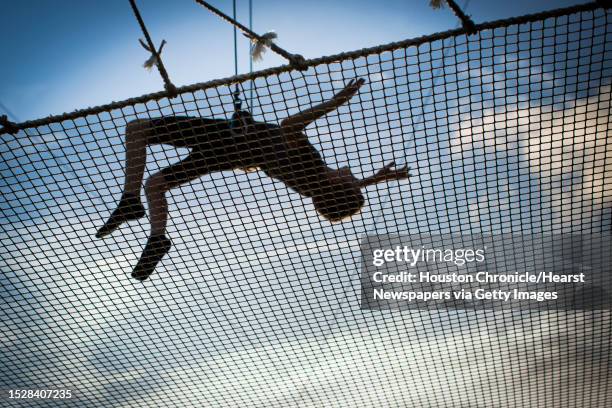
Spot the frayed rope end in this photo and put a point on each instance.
(259, 46)
(436, 4)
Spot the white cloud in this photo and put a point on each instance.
(566, 147)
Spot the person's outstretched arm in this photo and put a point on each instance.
(302, 119)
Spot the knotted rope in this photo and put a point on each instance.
(295, 60)
(466, 21)
(155, 58)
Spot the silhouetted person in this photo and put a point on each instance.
(281, 152)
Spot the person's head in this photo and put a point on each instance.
(342, 198)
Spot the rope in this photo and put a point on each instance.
(466, 22)
(295, 60)
(236, 93)
(155, 54)
(235, 41)
(312, 62)
(250, 55)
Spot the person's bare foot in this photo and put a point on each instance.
(129, 208)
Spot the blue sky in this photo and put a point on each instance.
(60, 56)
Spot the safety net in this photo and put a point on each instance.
(258, 302)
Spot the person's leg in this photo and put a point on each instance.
(158, 245)
(136, 141)
(130, 206)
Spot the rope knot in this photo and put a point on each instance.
(298, 62)
(260, 41)
(466, 21)
(154, 58)
(7, 126)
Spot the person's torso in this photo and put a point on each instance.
(292, 160)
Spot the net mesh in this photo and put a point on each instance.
(257, 303)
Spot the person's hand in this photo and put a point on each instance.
(387, 173)
(349, 90)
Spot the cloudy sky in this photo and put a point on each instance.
(258, 302)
